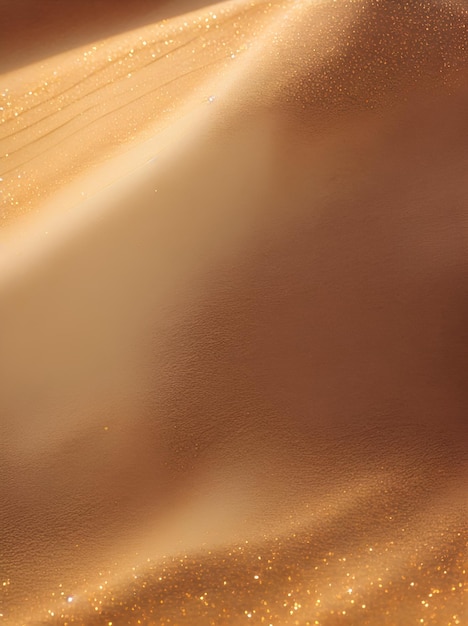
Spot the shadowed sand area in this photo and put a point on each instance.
(233, 268)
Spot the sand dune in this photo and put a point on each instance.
(233, 331)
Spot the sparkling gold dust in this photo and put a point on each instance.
(357, 53)
(301, 579)
(127, 88)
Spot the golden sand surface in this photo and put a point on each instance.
(233, 335)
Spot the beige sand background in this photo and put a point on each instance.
(233, 267)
